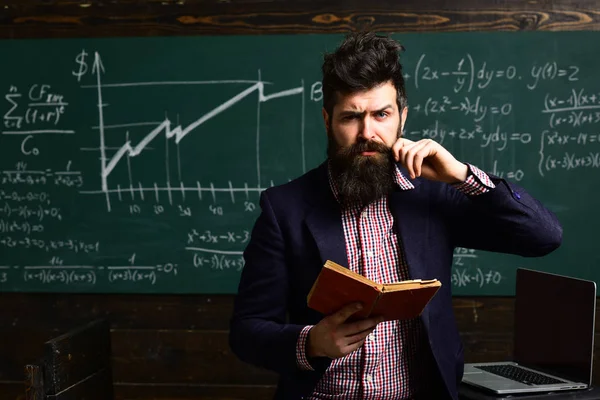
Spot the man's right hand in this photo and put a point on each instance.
(333, 337)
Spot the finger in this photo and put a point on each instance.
(408, 160)
(344, 313)
(398, 145)
(359, 326)
(359, 336)
(404, 151)
(353, 347)
(423, 153)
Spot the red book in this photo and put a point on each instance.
(337, 286)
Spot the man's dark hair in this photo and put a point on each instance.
(363, 61)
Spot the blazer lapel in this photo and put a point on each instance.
(412, 229)
(326, 228)
(324, 221)
(406, 207)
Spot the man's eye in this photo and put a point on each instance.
(381, 114)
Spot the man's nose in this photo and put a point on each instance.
(366, 129)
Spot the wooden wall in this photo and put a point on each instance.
(93, 18)
(175, 347)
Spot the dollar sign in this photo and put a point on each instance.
(80, 59)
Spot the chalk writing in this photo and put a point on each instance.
(208, 236)
(462, 277)
(72, 245)
(101, 160)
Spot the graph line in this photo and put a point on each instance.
(178, 132)
(171, 83)
(98, 69)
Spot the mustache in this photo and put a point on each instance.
(367, 145)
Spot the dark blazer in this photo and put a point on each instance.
(300, 227)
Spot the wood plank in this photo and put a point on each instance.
(19, 348)
(167, 356)
(74, 19)
(148, 356)
(97, 386)
(406, 4)
(77, 359)
(203, 357)
(204, 392)
(61, 312)
(12, 390)
(487, 347)
(15, 391)
(489, 314)
(177, 356)
(156, 346)
(189, 357)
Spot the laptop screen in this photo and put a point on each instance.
(554, 324)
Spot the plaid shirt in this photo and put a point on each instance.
(386, 366)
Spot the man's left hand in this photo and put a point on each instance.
(429, 159)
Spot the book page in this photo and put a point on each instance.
(345, 271)
(410, 285)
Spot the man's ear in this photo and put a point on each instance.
(403, 116)
(325, 119)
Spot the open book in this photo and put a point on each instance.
(337, 286)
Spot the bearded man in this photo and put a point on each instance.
(385, 207)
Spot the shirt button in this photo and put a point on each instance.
(369, 378)
(369, 254)
(371, 337)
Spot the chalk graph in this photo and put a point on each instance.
(112, 156)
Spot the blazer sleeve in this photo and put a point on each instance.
(506, 219)
(259, 333)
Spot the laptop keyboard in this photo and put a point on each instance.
(519, 374)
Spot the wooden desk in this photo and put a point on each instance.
(466, 392)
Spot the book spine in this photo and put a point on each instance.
(379, 294)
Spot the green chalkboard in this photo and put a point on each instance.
(136, 164)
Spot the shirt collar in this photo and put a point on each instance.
(399, 179)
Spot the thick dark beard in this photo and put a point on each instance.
(361, 180)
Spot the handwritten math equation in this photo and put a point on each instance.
(463, 277)
(23, 176)
(40, 105)
(56, 271)
(470, 74)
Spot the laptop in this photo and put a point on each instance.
(553, 338)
